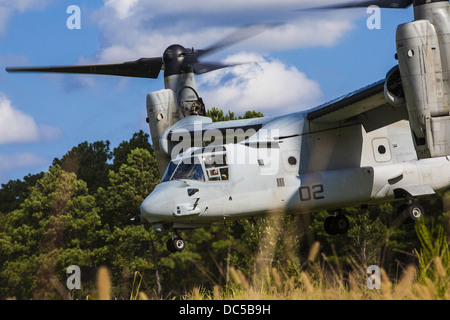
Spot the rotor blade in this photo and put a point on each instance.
(142, 68)
(394, 4)
(238, 36)
(200, 68)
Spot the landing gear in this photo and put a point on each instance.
(412, 212)
(338, 224)
(175, 244)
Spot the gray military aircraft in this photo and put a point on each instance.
(389, 141)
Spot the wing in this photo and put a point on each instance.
(367, 106)
(350, 105)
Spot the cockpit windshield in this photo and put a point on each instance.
(189, 169)
(214, 160)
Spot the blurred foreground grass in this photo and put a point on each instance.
(310, 285)
(428, 281)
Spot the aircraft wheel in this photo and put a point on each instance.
(169, 245)
(342, 224)
(414, 211)
(178, 244)
(336, 225)
(175, 245)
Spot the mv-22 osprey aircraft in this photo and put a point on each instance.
(389, 141)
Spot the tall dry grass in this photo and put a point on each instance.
(319, 279)
(313, 285)
(103, 284)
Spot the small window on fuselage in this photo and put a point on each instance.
(216, 166)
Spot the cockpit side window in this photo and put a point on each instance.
(169, 172)
(216, 166)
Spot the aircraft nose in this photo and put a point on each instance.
(155, 207)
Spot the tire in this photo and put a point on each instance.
(414, 212)
(341, 224)
(336, 225)
(169, 245)
(178, 244)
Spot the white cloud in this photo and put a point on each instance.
(17, 126)
(122, 7)
(136, 28)
(302, 33)
(268, 86)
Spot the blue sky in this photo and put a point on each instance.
(312, 58)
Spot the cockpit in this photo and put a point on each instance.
(203, 164)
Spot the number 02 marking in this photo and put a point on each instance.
(308, 193)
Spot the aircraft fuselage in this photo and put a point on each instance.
(290, 166)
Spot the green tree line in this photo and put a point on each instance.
(79, 211)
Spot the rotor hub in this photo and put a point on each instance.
(174, 60)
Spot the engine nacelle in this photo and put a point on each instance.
(162, 112)
(426, 95)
